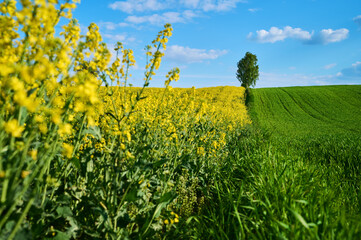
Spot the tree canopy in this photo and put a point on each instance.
(248, 71)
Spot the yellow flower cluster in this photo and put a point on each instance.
(173, 219)
(68, 116)
(12, 127)
(172, 75)
(174, 113)
(35, 69)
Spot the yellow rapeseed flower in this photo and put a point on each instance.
(65, 129)
(12, 127)
(24, 174)
(15, 84)
(39, 118)
(56, 118)
(200, 151)
(68, 150)
(22, 99)
(5, 70)
(43, 128)
(33, 154)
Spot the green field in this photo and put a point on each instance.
(295, 173)
(309, 110)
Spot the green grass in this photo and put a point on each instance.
(309, 110)
(295, 173)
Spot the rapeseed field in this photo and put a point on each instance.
(82, 154)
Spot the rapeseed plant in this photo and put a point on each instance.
(83, 154)
(12, 127)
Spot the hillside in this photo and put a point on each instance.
(317, 110)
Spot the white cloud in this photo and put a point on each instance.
(130, 6)
(357, 20)
(109, 25)
(356, 64)
(112, 26)
(190, 3)
(115, 38)
(218, 5)
(158, 19)
(254, 10)
(353, 72)
(154, 19)
(189, 14)
(275, 34)
(123, 24)
(166, 10)
(326, 36)
(329, 66)
(211, 5)
(191, 55)
(119, 38)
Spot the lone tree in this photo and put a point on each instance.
(247, 72)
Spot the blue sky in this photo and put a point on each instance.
(297, 42)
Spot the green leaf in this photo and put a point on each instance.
(64, 211)
(89, 166)
(112, 115)
(9, 226)
(23, 114)
(22, 234)
(4, 149)
(63, 199)
(302, 201)
(158, 209)
(300, 218)
(131, 195)
(192, 218)
(284, 225)
(61, 236)
(75, 161)
(167, 197)
(163, 202)
(73, 227)
(95, 131)
(159, 163)
(31, 91)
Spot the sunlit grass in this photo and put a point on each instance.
(291, 175)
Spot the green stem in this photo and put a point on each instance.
(7, 215)
(5, 187)
(12, 235)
